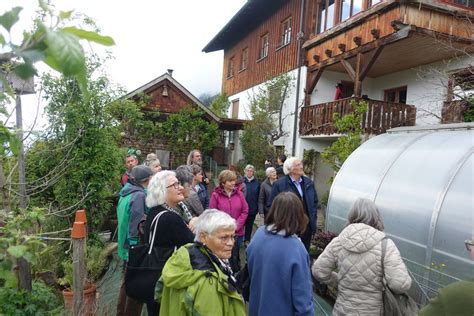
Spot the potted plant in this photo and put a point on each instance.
(318, 244)
(96, 262)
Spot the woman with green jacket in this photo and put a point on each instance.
(197, 279)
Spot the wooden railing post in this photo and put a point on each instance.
(78, 236)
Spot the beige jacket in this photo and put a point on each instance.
(352, 261)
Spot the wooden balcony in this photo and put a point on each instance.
(317, 120)
(453, 111)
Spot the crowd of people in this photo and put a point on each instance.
(199, 236)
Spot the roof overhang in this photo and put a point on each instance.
(168, 77)
(243, 22)
(411, 47)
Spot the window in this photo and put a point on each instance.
(263, 46)
(396, 95)
(244, 58)
(464, 3)
(461, 85)
(325, 16)
(286, 32)
(230, 67)
(235, 108)
(374, 2)
(350, 8)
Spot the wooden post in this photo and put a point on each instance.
(357, 81)
(78, 236)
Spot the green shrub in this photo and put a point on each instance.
(42, 300)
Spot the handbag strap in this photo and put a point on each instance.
(384, 247)
(151, 237)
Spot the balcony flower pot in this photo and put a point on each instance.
(89, 300)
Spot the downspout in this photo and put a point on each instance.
(300, 37)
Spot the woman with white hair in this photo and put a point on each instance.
(252, 186)
(352, 262)
(197, 279)
(163, 195)
(266, 191)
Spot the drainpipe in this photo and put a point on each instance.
(300, 37)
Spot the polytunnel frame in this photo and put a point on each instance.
(441, 196)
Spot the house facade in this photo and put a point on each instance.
(403, 57)
(166, 96)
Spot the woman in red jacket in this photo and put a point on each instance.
(227, 198)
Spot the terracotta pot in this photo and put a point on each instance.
(89, 300)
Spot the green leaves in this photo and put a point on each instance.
(9, 18)
(17, 251)
(90, 36)
(64, 53)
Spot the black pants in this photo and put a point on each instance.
(306, 237)
(249, 226)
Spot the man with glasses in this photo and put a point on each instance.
(295, 181)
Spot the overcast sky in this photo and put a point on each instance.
(154, 35)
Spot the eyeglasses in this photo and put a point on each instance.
(468, 244)
(226, 239)
(176, 185)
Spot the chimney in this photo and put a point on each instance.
(170, 72)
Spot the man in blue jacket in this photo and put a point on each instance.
(295, 181)
(252, 187)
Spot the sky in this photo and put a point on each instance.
(152, 36)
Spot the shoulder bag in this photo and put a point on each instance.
(395, 304)
(144, 266)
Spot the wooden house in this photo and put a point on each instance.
(167, 96)
(401, 56)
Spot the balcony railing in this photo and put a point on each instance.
(318, 119)
(453, 112)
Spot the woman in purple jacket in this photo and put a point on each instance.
(227, 198)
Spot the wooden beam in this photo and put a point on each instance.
(395, 37)
(357, 40)
(370, 62)
(316, 58)
(357, 80)
(365, 4)
(375, 33)
(337, 11)
(312, 80)
(349, 69)
(342, 47)
(328, 52)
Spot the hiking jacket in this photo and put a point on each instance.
(131, 210)
(251, 196)
(235, 206)
(357, 253)
(309, 199)
(192, 284)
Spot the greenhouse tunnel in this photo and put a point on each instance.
(421, 179)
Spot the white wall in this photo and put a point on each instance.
(288, 111)
(426, 86)
(426, 89)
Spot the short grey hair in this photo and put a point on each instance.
(212, 220)
(153, 163)
(365, 211)
(247, 167)
(189, 161)
(185, 174)
(269, 170)
(289, 163)
(156, 191)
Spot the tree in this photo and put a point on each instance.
(187, 130)
(57, 45)
(81, 146)
(220, 105)
(350, 126)
(266, 127)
